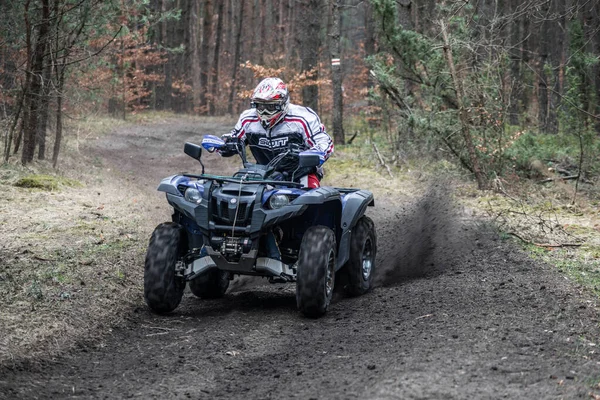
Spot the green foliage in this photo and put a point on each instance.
(45, 182)
(413, 54)
(409, 58)
(579, 266)
(413, 76)
(12, 33)
(562, 148)
(412, 72)
(579, 95)
(576, 133)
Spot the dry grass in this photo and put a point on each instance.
(357, 167)
(70, 259)
(71, 252)
(542, 214)
(549, 225)
(72, 245)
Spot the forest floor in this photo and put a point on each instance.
(460, 311)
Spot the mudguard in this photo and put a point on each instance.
(169, 185)
(185, 207)
(318, 196)
(175, 198)
(355, 205)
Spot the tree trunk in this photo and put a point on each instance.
(59, 127)
(35, 92)
(515, 83)
(288, 31)
(123, 72)
(550, 46)
(236, 56)
(556, 47)
(21, 128)
(196, 56)
(336, 73)
(14, 125)
(309, 19)
(596, 68)
(404, 14)
(167, 94)
(229, 32)
(542, 86)
(28, 45)
(204, 62)
(369, 38)
(262, 32)
(183, 65)
(462, 111)
(267, 24)
(255, 33)
(528, 95)
(214, 92)
(590, 25)
(45, 100)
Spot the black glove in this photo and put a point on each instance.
(229, 138)
(296, 149)
(231, 145)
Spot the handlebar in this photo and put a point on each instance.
(229, 145)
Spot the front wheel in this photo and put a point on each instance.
(210, 285)
(316, 271)
(360, 268)
(163, 290)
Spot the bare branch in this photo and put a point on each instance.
(381, 160)
(544, 244)
(95, 53)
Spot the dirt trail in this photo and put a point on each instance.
(475, 319)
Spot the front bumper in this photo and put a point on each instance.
(248, 265)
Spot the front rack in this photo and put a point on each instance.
(231, 179)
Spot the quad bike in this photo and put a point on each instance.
(254, 223)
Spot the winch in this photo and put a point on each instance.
(231, 247)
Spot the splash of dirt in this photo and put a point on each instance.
(427, 236)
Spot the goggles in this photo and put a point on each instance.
(269, 107)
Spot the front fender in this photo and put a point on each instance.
(170, 184)
(355, 205)
(318, 196)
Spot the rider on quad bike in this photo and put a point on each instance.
(272, 124)
(269, 219)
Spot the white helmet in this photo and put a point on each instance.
(271, 100)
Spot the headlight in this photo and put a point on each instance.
(278, 200)
(192, 195)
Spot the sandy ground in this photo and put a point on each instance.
(457, 313)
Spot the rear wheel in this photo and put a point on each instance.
(163, 290)
(316, 271)
(360, 267)
(210, 285)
